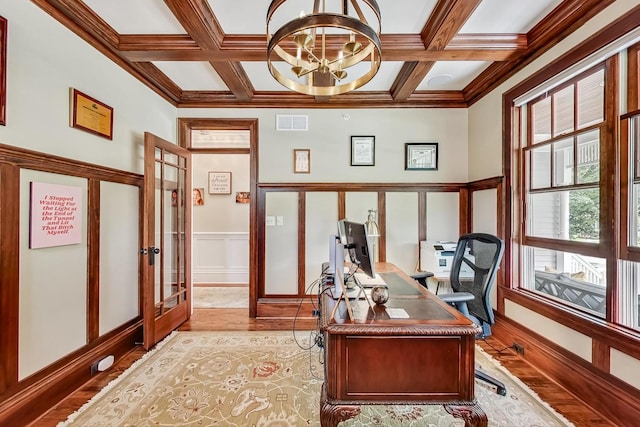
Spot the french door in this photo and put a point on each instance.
(166, 239)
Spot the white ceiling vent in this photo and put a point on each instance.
(291, 122)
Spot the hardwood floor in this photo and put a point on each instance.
(237, 319)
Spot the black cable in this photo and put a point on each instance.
(499, 351)
(312, 340)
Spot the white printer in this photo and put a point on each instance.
(437, 257)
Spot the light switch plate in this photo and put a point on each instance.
(271, 221)
(280, 220)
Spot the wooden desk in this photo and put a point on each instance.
(426, 359)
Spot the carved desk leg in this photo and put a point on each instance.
(473, 415)
(331, 415)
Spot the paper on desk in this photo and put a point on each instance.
(397, 313)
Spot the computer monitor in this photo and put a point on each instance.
(341, 232)
(338, 276)
(358, 246)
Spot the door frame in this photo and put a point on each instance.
(185, 126)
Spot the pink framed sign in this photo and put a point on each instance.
(55, 215)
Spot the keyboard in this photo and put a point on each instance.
(368, 282)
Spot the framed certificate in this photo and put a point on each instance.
(91, 115)
(421, 156)
(302, 161)
(363, 151)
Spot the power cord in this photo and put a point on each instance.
(499, 350)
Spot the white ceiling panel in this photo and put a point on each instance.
(408, 19)
(508, 16)
(452, 75)
(137, 17)
(260, 76)
(192, 75)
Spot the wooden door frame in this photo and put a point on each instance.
(185, 126)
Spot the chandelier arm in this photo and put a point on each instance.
(358, 10)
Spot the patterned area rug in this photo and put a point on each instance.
(268, 379)
(221, 297)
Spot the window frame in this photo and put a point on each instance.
(585, 248)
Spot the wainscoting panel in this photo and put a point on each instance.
(220, 257)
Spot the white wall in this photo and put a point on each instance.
(220, 212)
(329, 138)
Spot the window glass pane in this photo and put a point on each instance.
(563, 162)
(630, 294)
(541, 167)
(589, 157)
(571, 278)
(591, 99)
(541, 120)
(634, 138)
(634, 216)
(567, 215)
(563, 111)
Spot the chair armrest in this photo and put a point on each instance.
(456, 297)
(422, 275)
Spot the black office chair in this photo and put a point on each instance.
(473, 273)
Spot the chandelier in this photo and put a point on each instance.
(325, 53)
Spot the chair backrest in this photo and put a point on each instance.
(475, 263)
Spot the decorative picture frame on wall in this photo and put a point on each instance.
(198, 196)
(3, 71)
(363, 151)
(219, 182)
(421, 156)
(302, 160)
(91, 115)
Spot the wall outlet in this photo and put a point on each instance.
(519, 348)
(271, 221)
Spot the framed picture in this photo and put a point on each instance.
(301, 161)
(363, 151)
(198, 196)
(3, 71)
(243, 197)
(219, 182)
(91, 115)
(421, 156)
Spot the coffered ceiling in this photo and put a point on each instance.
(212, 53)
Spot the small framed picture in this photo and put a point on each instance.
(301, 161)
(363, 151)
(198, 196)
(421, 156)
(219, 182)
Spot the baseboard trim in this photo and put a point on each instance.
(575, 374)
(285, 309)
(39, 394)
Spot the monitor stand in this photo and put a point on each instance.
(348, 294)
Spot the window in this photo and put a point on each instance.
(561, 254)
(629, 278)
